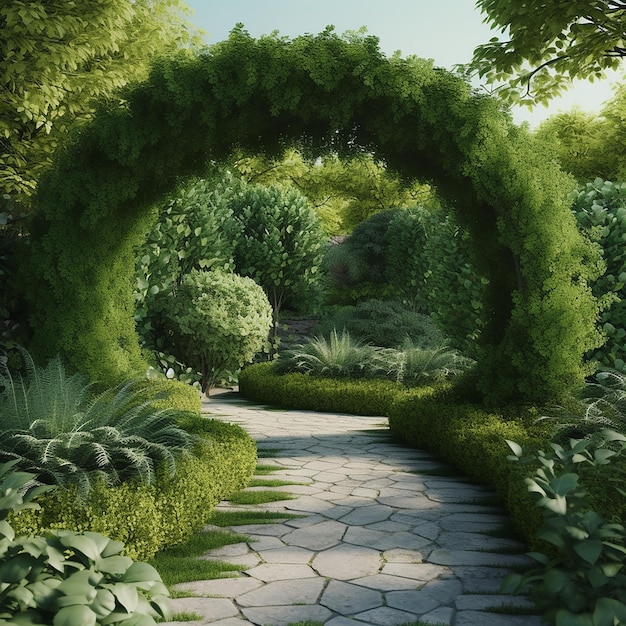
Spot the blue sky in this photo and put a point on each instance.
(446, 31)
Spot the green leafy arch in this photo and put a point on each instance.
(320, 92)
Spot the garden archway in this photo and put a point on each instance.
(321, 93)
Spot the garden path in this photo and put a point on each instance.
(378, 542)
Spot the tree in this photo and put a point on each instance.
(195, 230)
(218, 322)
(280, 247)
(549, 44)
(591, 146)
(579, 141)
(58, 57)
(344, 192)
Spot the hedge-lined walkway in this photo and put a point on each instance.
(379, 542)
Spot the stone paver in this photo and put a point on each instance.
(378, 544)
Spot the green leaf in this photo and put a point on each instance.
(589, 550)
(81, 543)
(607, 610)
(564, 484)
(75, 615)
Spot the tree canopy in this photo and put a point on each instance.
(324, 94)
(58, 56)
(549, 44)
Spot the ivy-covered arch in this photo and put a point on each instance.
(324, 93)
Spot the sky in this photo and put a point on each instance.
(445, 31)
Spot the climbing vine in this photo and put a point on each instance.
(320, 93)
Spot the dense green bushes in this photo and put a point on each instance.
(148, 518)
(299, 391)
(600, 211)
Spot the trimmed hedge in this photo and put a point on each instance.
(441, 419)
(473, 440)
(148, 518)
(261, 383)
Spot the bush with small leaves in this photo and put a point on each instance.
(584, 584)
(600, 211)
(68, 578)
(217, 322)
(385, 323)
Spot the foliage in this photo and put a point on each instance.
(148, 518)
(385, 323)
(419, 364)
(341, 356)
(584, 582)
(406, 260)
(54, 426)
(581, 143)
(195, 230)
(56, 58)
(281, 241)
(332, 95)
(600, 211)
(217, 322)
(601, 406)
(453, 288)
(262, 383)
(338, 356)
(343, 191)
(548, 45)
(68, 578)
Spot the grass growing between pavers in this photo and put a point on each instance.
(243, 518)
(259, 482)
(179, 564)
(265, 470)
(260, 497)
(185, 616)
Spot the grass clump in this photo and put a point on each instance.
(180, 564)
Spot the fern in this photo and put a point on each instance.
(54, 427)
(600, 405)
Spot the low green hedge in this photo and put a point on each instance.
(148, 518)
(261, 383)
(474, 441)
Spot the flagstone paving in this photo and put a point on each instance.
(378, 543)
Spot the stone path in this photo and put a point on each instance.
(377, 543)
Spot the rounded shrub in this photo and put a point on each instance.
(217, 322)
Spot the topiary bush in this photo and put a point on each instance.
(195, 229)
(217, 322)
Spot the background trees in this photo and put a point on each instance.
(548, 44)
(58, 57)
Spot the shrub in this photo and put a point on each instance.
(217, 323)
(54, 426)
(419, 364)
(584, 582)
(600, 405)
(262, 383)
(600, 211)
(195, 230)
(280, 246)
(385, 323)
(148, 518)
(68, 578)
